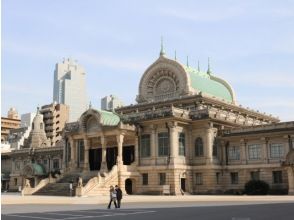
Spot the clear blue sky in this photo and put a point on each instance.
(250, 43)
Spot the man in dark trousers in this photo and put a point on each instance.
(118, 195)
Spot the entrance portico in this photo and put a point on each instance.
(100, 142)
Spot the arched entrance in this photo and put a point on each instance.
(129, 186)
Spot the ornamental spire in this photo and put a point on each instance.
(208, 69)
(175, 55)
(187, 61)
(198, 67)
(162, 53)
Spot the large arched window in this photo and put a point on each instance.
(198, 147)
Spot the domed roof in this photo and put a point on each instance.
(169, 79)
(206, 83)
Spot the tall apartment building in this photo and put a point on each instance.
(12, 121)
(54, 116)
(110, 103)
(70, 87)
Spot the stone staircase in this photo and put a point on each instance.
(61, 187)
(56, 189)
(99, 185)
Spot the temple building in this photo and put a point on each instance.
(36, 158)
(185, 134)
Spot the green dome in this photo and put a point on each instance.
(38, 169)
(211, 85)
(109, 118)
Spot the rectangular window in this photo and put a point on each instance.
(163, 144)
(145, 145)
(277, 151)
(199, 180)
(182, 144)
(255, 175)
(254, 151)
(234, 178)
(45, 162)
(277, 177)
(217, 176)
(15, 181)
(234, 153)
(145, 178)
(55, 163)
(162, 178)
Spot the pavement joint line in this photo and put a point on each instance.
(89, 211)
(55, 213)
(110, 215)
(27, 216)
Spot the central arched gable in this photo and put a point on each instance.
(164, 79)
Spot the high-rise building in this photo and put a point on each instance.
(54, 116)
(110, 103)
(70, 87)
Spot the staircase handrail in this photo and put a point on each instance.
(28, 190)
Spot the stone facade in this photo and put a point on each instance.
(179, 139)
(35, 159)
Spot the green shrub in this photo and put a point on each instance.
(256, 187)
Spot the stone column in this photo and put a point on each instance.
(153, 148)
(290, 171)
(243, 152)
(86, 154)
(103, 167)
(174, 143)
(120, 139)
(136, 162)
(209, 145)
(189, 146)
(73, 159)
(264, 150)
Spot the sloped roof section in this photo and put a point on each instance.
(109, 118)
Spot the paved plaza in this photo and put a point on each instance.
(16, 207)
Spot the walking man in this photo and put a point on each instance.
(118, 195)
(112, 193)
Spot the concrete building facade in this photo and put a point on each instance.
(8, 123)
(70, 87)
(54, 116)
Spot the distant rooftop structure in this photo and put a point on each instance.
(12, 113)
(109, 103)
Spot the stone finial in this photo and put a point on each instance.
(208, 68)
(198, 66)
(187, 61)
(90, 105)
(162, 52)
(175, 55)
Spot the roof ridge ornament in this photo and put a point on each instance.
(175, 55)
(208, 69)
(90, 105)
(187, 61)
(198, 67)
(162, 52)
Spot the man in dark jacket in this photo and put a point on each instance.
(118, 195)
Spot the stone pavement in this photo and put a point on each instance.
(16, 198)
